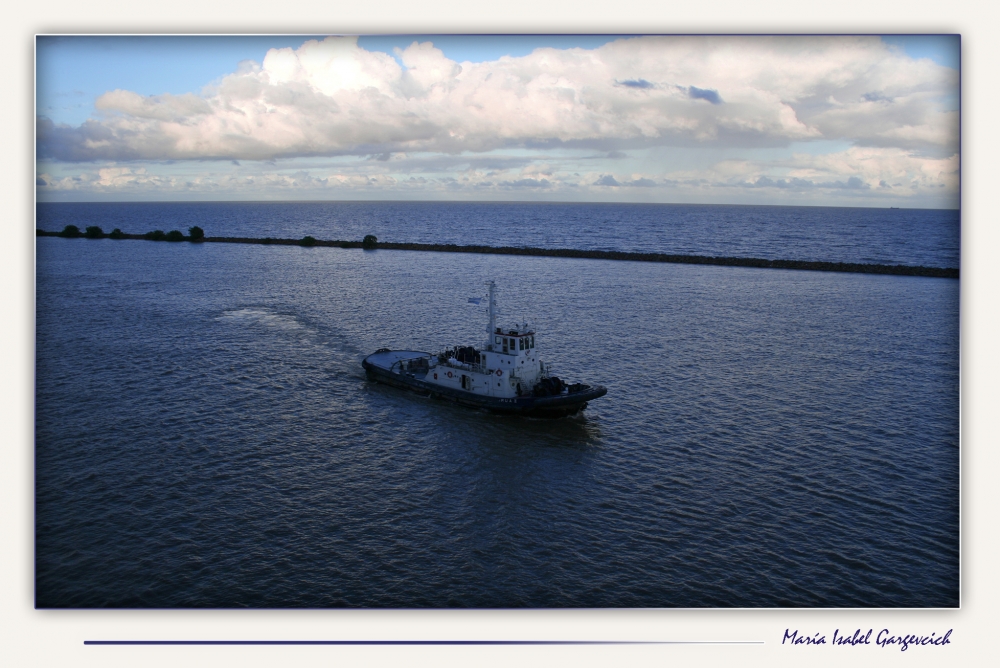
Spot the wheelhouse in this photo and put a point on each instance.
(512, 342)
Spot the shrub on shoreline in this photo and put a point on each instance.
(94, 232)
(155, 235)
(116, 234)
(370, 242)
(196, 233)
(70, 231)
(175, 235)
(307, 241)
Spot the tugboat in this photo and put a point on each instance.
(505, 375)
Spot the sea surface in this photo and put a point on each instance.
(927, 237)
(205, 435)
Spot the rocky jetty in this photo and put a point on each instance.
(369, 244)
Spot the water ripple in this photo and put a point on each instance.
(206, 438)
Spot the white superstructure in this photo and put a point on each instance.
(504, 374)
(506, 366)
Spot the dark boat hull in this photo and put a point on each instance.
(554, 406)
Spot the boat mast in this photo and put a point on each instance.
(492, 327)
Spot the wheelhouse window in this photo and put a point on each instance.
(520, 344)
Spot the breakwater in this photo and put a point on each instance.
(801, 265)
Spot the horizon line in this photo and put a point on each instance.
(472, 201)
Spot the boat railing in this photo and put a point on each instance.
(466, 366)
(410, 365)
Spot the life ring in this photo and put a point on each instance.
(449, 374)
(499, 372)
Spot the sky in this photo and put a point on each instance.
(799, 120)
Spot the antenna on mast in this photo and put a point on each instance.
(492, 326)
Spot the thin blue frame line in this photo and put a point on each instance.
(423, 642)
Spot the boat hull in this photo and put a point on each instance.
(553, 406)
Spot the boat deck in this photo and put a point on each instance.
(390, 366)
(400, 361)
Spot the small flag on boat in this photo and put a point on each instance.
(475, 300)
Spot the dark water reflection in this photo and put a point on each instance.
(205, 436)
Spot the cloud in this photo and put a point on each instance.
(609, 180)
(526, 183)
(642, 183)
(853, 183)
(875, 97)
(849, 177)
(333, 98)
(704, 94)
(635, 83)
(858, 170)
(175, 108)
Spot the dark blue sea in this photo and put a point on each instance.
(205, 435)
(928, 237)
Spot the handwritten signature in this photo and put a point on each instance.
(883, 639)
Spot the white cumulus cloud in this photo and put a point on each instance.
(331, 97)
